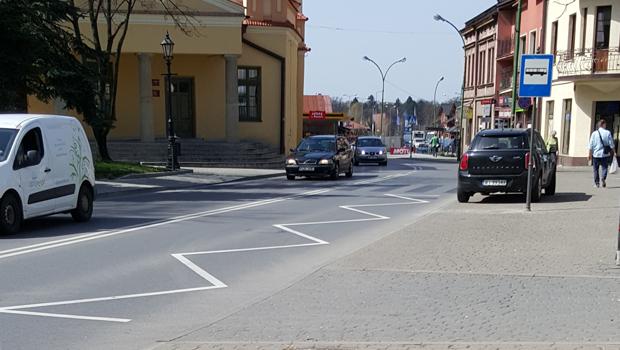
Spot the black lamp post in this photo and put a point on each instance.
(167, 46)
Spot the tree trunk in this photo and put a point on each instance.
(101, 136)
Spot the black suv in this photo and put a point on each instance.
(497, 161)
(317, 156)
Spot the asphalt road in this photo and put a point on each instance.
(156, 266)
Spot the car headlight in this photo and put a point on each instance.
(363, 152)
(325, 161)
(291, 162)
(381, 152)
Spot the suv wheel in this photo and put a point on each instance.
(463, 196)
(336, 172)
(10, 214)
(537, 190)
(550, 190)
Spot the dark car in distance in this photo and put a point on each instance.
(497, 161)
(320, 156)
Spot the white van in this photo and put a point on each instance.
(46, 167)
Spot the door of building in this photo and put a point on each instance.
(610, 111)
(601, 38)
(183, 107)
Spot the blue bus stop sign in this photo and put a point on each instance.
(536, 75)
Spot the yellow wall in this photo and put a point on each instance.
(267, 131)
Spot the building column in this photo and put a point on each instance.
(232, 99)
(146, 98)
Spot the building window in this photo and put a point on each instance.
(554, 38)
(491, 69)
(533, 42)
(249, 94)
(584, 28)
(566, 119)
(550, 107)
(603, 23)
(571, 35)
(481, 66)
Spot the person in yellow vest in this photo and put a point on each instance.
(552, 142)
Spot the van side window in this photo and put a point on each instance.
(32, 141)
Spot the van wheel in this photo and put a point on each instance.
(462, 196)
(11, 215)
(84, 209)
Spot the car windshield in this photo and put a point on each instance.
(317, 145)
(499, 142)
(369, 143)
(6, 141)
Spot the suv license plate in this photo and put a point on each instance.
(306, 168)
(494, 183)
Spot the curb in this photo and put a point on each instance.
(155, 175)
(157, 189)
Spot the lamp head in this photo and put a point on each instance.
(167, 46)
(441, 79)
(404, 59)
(438, 17)
(366, 58)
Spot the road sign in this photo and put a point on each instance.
(536, 74)
(317, 115)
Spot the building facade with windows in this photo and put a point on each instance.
(480, 55)
(584, 36)
(239, 76)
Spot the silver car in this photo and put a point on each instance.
(370, 149)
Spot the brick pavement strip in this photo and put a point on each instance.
(483, 275)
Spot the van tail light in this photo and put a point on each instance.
(464, 164)
(527, 160)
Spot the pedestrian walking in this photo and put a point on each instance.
(601, 150)
(435, 145)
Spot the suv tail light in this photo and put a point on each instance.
(527, 160)
(464, 164)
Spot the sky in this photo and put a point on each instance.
(341, 32)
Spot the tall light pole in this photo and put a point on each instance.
(383, 76)
(167, 46)
(434, 100)
(438, 17)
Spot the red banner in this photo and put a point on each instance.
(319, 115)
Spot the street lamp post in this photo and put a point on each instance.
(434, 101)
(383, 76)
(438, 17)
(167, 46)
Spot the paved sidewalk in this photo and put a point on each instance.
(481, 275)
(200, 176)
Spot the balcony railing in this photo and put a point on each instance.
(588, 62)
(505, 48)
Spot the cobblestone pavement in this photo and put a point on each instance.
(482, 275)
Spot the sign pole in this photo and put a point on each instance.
(528, 204)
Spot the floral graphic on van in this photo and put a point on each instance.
(80, 163)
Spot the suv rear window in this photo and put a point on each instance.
(488, 142)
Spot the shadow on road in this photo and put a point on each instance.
(564, 197)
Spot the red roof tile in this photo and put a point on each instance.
(317, 103)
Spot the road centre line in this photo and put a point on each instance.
(105, 234)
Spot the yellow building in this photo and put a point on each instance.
(239, 75)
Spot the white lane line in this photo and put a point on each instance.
(381, 179)
(74, 317)
(99, 235)
(214, 282)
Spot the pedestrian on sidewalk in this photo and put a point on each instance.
(552, 142)
(435, 145)
(601, 151)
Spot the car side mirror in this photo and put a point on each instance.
(32, 158)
